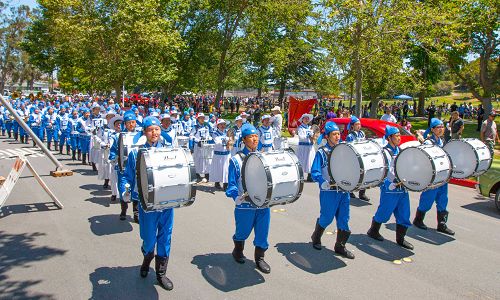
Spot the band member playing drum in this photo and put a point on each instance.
(355, 134)
(394, 198)
(130, 120)
(333, 203)
(266, 134)
(220, 162)
(439, 194)
(305, 150)
(247, 217)
(200, 135)
(155, 226)
(114, 124)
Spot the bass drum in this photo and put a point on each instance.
(272, 178)
(166, 178)
(469, 157)
(422, 168)
(183, 141)
(126, 142)
(357, 165)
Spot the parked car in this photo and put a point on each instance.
(489, 182)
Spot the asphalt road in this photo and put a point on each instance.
(85, 252)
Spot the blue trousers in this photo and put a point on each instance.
(156, 229)
(51, 135)
(396, 201)
(8, 126)
(84, 142)
(64, 139)
(438, 195)
(38, 131)
(334, 204)
(247, 218)
(73, 141)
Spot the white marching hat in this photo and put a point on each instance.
(199, 115)
(306, 116)
(276, 108)
(164, 116)
(113, 120)
(220, 121)
(265, 117)
(238, 118)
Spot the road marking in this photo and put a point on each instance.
(13, 153)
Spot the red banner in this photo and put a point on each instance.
(296, 108)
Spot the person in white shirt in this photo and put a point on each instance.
(388, 117)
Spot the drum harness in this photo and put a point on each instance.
(325, 153)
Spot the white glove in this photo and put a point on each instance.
(241, 198)
(126, 196)
(392, 186)
(325, 185)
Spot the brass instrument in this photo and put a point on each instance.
(316, 132)
(230, 135)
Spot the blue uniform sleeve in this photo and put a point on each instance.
(232, 181)
(166, 136)
(317, 164)
(113, 152)
(129, 173)
(349, 138)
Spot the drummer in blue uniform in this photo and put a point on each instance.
(73, 134)
(434, 136)
(247, 217)
(333, 203)
(155, 226)
(62, 123)
(266, 134)
(394, 198)
(356, 135)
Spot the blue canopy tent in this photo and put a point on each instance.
(403, 97)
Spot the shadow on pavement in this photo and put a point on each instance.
(206, 189)
(92, 187)
(386, 250)
(122, 283)
(485, 207)
(26, 208)
(109, 224)
(429, 236)
(305, 257)
(223, 273)
(104, 201)
(85, 172)
(19, 251)
(359, 203)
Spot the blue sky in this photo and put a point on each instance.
(30, 3)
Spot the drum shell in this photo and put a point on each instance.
(422, 168)
(125, 145)
(469, 157)
(276, 178)
(357, 165)
(165, 178)
(207, 150)
(183, 141)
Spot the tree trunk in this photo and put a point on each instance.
(374, 108)
(282, 91)
(259, 92)
(351, 96)
(359, 73)
(118, 90)
(421, 103)
(220, 94)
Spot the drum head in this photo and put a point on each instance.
(255, 180)
(344, 167)
(463, 158)
(414, 169)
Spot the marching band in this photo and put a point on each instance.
(134, 153)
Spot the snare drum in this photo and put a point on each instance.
(357, 165)
(207, 150)
(272, 178)
(183, 141)
(469, 157)
(166, 178)
(125, 145)
(422, 168)
(281, 143)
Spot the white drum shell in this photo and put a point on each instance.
(207, 150)
(357, 165)
(469, 157)
(183, 141)
(167, 178)
(272, 178)
(423, 167)
(125, 145)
